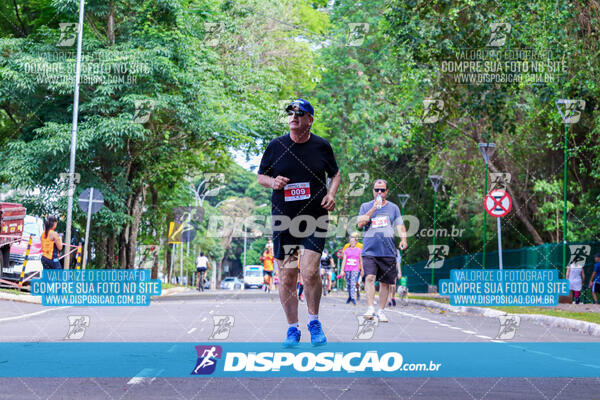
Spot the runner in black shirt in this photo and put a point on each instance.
(296, 167)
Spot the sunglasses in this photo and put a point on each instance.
(379, 190)
(299, 113)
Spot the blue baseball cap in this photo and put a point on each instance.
(302, 105)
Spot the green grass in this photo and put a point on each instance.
(554, 312)
(170, 286)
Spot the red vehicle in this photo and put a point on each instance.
(34, 227)
(12, 220)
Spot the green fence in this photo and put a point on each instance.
(546, 256)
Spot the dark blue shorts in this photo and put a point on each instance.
(51, 264)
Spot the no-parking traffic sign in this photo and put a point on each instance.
(497, 203)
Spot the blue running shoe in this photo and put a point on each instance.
(317, 337)
(293, 337)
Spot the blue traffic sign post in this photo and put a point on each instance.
(91, 201)
(498, 203)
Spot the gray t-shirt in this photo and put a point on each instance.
(381, 230)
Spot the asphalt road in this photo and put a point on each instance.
(258, 318)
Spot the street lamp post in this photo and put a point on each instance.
(487, 149)
(402, 199)
(570, 116)
(435, 182)
(71, 189)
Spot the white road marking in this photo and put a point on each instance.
(147, 375)
(564, 358)
(446, 326)
(191, 330)
(23, 316)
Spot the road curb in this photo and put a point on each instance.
(588, 328)
(21, 298)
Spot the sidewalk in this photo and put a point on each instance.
(25, 297)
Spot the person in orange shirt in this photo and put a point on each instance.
(51, 244)
(267, 259)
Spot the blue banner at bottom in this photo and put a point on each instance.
(271, 360)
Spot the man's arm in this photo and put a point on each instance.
(402, 233)
(328, 201)
(366, 217)
(272, 183)
(592, 278)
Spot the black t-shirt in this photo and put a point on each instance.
(326, 261)
(306, 165)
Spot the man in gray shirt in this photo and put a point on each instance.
(380, 217)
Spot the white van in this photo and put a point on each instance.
(253, 276)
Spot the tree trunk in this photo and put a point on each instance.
(110, 25)
(136, 213)
(514, 188)
(110, 251)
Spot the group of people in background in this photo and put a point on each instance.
(576, 277)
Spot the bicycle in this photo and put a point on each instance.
(324, 281)
(201, 280)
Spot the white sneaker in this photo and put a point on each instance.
(381, 316)
(370, 313)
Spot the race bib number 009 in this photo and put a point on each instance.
(379, 222)
(297, 191)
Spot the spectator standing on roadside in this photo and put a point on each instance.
(595, 279)
(575, 275)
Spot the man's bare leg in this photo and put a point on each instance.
(384, 290)
(313, 287)
(370, 289)
(288, 276)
